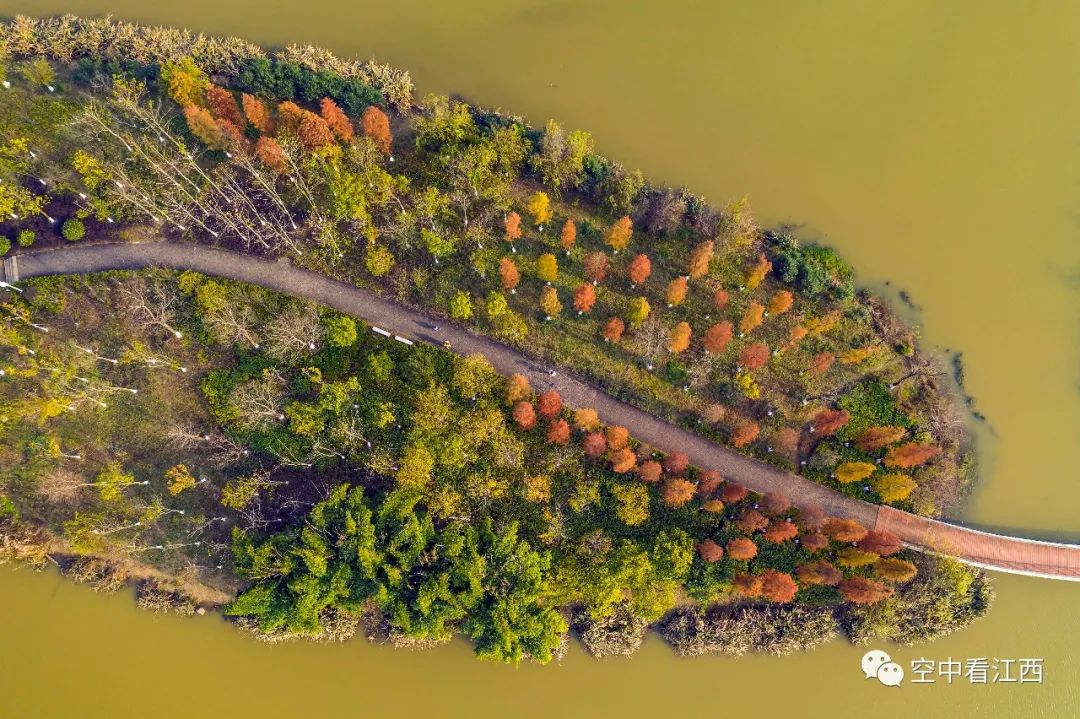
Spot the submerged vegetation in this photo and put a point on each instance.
(275, 458)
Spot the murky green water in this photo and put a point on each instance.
(934, 144)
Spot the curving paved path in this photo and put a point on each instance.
(1008, 554)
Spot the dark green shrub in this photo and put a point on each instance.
(26, 237)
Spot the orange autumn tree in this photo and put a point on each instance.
(614, 329)
(584, 297)
(512, 227)
(517, 389)
(754, 356)
(376, 126)
(858, 354)
(569, 235)
(844, 530)
(675, 492)
(780, 302)
(710, 482)
(639, 270)
(741, 548)
(717, 337)
(880, 542)
(910, 454)
(758, 272)
(680, 338)
(617, 436)
(622, 460)
(289, 116)
(778, 587)
(796, 334)
(524, 415)
(223, 106)
(751, 521)
(586, 419)
(618, 237)
(745, 433)
(698, 264)
(509, 274)
(313, 132)
(676, 463)
(256, 113)
(828, 421)
(752, 318)
(596, 267)
(780, 531)
(549, 404)
(676, 291)
(558, 432)
(336, 119)
(819, 572)
(747, 585)
(875, 438)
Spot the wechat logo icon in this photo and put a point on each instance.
(876, 664)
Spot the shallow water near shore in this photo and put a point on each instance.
(934, 146)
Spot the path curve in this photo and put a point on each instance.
(1007, 554)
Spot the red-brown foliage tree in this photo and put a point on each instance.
(751, 520)
(786, 440)
(649, 471)
(754, 356)
(257, 114)
(639, 270)
(910, 454)
(717, 337)
(314, 134)
(733, 492)
(676, 463)
(811, 517)
(829, 421)
(720, 298)
(594, 444)
(223, 106)
(569, 234)
(875, 438)
(617, 436)
(844, 530)
(741, 548)
(745, 433)
(709, 483)
(676, 291)
(777, 586)
(820, 363)
(270, 154)
(550, 404)
(512, 227)
(780, 531)
(613, 329)
(819, 572)
(747, 585)
(675, 491)
(508, 273)
(622, 460)
(232, 137)
(775, 503)
(376, 125)
(558, 432)
(584, 297)
(336, 120)
(859, 590)
(814, 541)
(710, 551)
(881, 543)
(525, 415)
(596, 267)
